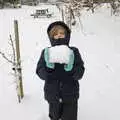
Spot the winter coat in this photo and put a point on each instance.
(58, 82)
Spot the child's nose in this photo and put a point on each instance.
(59, 35)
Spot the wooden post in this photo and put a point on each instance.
(18, 63)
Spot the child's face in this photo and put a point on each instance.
(60, 34)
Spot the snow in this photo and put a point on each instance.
(59, 54)
(99, 45)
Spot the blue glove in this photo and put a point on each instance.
(46, 57)
(69, 66)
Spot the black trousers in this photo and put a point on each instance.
(63, 110)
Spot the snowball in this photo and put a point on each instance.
(59, 54)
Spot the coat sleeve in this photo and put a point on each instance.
(78, 68)
(42, 71)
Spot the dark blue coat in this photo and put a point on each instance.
(58, 82)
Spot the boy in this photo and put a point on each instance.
(61, 88)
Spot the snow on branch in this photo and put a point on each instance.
(92, 4)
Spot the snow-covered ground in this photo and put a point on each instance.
(99, 44)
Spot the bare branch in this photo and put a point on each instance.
(13, 48)
(4, 56)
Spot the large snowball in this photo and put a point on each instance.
(59, 54)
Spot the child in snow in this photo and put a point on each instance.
(61, 66)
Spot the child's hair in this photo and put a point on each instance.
(55, 29)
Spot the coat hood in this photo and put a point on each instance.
(62, 41)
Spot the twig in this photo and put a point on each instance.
(4, 56)
(13, 48)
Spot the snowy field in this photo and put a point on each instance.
(99, 44)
